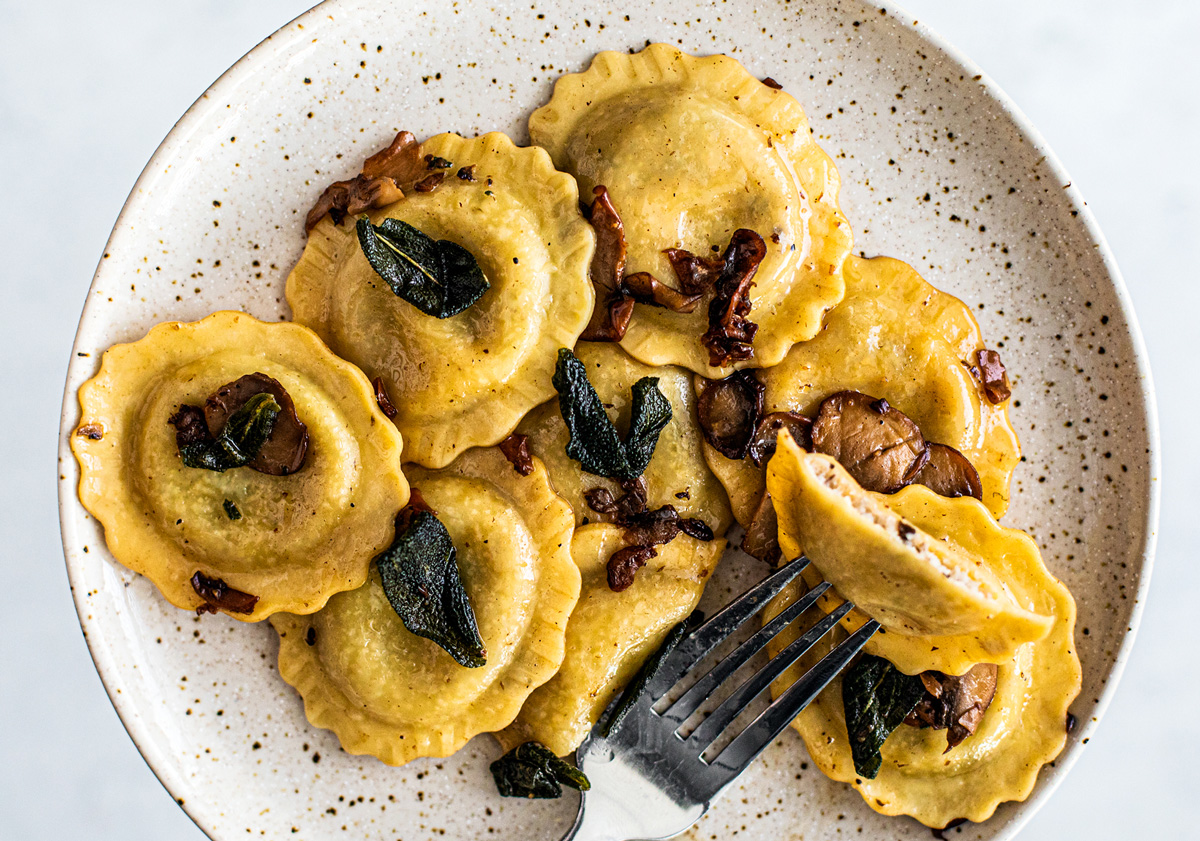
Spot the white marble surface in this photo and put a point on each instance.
(87, 91)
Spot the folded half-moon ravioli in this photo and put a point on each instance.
(611, 634)
(896, 337)
(297, 539)
(387, 692)
(676, 475)
(912, 583)
(467, 380)
(692, 149)
(1023, 728)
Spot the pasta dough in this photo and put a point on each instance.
(692, 149)
(168, 522)
(467, 380)
(387, 692)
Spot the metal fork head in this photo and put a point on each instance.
(651, 780)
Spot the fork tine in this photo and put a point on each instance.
(688, 703)
(770, 723)
(693, 648)
(753, 686)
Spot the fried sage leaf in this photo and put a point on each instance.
(420, 579)
(438, 277)
(595, 442)
(877, 697)
(240, 439)
(647, 673)
(532, 770)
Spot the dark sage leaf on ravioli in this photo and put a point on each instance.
(438, 277)
(877, 697)
(532, 770)
(420, 579)
(595, 442)
(648, 672)
(243, 435)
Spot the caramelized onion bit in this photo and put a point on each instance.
(516, 449)
(614, 306)
(218, 595)
(949, 473)
(766, 435)
(731, 332)
(992, 376)
(283, 452)
(624, 564)
(729, 411)
(647, 289)
(762, 534)
(381, 397)
(879, 445)
(953, 703)
(380, 183)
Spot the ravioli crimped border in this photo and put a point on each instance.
(551, 524)
(782, 118)
(139, 544)
(553, 199)
(1054, 682)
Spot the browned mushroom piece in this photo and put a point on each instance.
(218, 595)
(766, 435)
(624, 564)
(730, 333)
(879, 445)
(762, 534)
(729, 410)
(949, 473)
(381, 397)
(696, 275)
(647, 289)
(953, 703)
(614, 306)
(382, 181)
(284, 452)
(992, 376)
(516, 449)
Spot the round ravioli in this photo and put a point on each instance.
(280, 542)
(466, 380)
(896, 337)
(677, 473)
(913, 584)
(387, 692)
(1023, 728)
(611, 634)
(692, 150)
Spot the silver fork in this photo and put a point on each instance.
(650, 780)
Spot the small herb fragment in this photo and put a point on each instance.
(532, 770)
(242, 437)
(595, 443)
(438, 277)
(877, 697)
(420, 579)
(231, 510)
(647, 672)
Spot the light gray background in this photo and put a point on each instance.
(87, 90)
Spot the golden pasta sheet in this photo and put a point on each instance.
(387, 692)
(292, 540)
(466, 380)
(691, 150)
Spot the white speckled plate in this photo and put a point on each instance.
(938, 168)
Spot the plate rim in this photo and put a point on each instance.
(285, 36)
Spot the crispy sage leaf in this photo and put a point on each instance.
(595, 442)
(231, 510)
(241, 438)
(532, 770)
(647, 672)
(420, 579)
(438, 277)
(877, 697)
